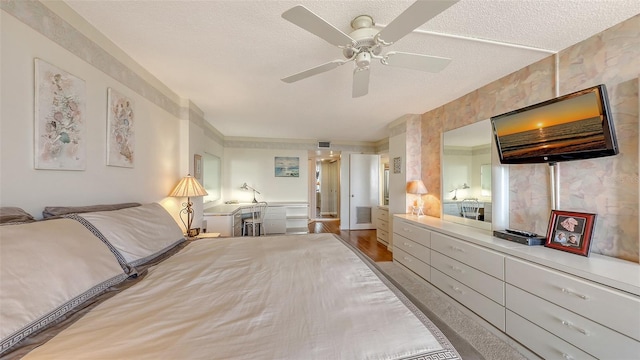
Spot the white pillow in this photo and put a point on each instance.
(138, 234)
(47, 269)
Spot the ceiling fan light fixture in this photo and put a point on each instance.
(363, 59)
(365, 42)
(362, 21)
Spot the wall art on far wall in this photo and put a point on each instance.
(287, 166)
(570, 231)
(60, 99)
(121, 138)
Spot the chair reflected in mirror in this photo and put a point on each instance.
(256, 220)
(470, 209)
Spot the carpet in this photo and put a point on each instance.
(471, 340)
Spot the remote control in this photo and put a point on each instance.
(521, 232)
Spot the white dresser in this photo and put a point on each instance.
(556, 304)
(381, 221)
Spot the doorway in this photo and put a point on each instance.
(325, 199)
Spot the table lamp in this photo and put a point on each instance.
(188, 187)
(455, 191)
(247, 187)
(417, 187)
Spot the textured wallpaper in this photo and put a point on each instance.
(605, 186)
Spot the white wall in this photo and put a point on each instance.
(397, 182)
(256, 168)
(157, 141)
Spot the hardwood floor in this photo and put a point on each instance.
(363, 240)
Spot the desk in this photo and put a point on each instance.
(281, 218)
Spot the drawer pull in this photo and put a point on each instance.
(455, 248)
(455, 268)
(407, 244)
(457, 289)
(406, 230)
(567, 356)
(570, 292)
(406, 258)
(571, 326)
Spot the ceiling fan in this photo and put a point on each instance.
(365, 42)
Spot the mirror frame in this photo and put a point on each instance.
(499, 189)
(208, 160)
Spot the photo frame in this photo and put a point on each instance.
(287, 166)
(121, 136)
(197, 167)
(397, 165)
(570, 231)
(60, 116)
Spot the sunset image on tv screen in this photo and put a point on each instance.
(572, 125)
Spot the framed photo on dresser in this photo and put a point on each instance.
(570, 231)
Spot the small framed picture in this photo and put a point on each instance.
(397, 165)
(197, 167)
(570, 231)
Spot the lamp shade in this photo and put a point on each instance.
(416, 187)
(188, 187)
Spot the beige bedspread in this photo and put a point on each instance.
(275, 297)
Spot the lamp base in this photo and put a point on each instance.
(418, 208)
(188, 210)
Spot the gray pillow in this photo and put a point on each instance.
(14, 215)
(135, 235)
(51, 211)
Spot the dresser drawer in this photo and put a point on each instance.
(451, 209)
(382, 235)
(383, 224)
(484, 284)
(413, 248)
(413, 263)
(585, 334)
(276, 212)
(412, 232)
(542, 342)
(614, 309)
(476, 302)
(275, 226)
(480, 258)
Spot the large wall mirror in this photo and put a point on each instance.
(467, 175)
(211, 177)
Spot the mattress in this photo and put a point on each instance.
(275, 297)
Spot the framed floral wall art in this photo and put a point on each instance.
(60, 117)
(121, 138)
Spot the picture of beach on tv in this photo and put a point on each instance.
(555, 130)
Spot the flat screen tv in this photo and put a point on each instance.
(570, 127)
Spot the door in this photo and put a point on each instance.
(329, 188)
(364, 187)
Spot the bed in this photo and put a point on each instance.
(124, 284)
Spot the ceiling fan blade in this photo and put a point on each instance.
(313, 71)
(304, 18)
(416, 61)
(360, 81)
(414, 16)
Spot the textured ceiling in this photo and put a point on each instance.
(228, 57)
